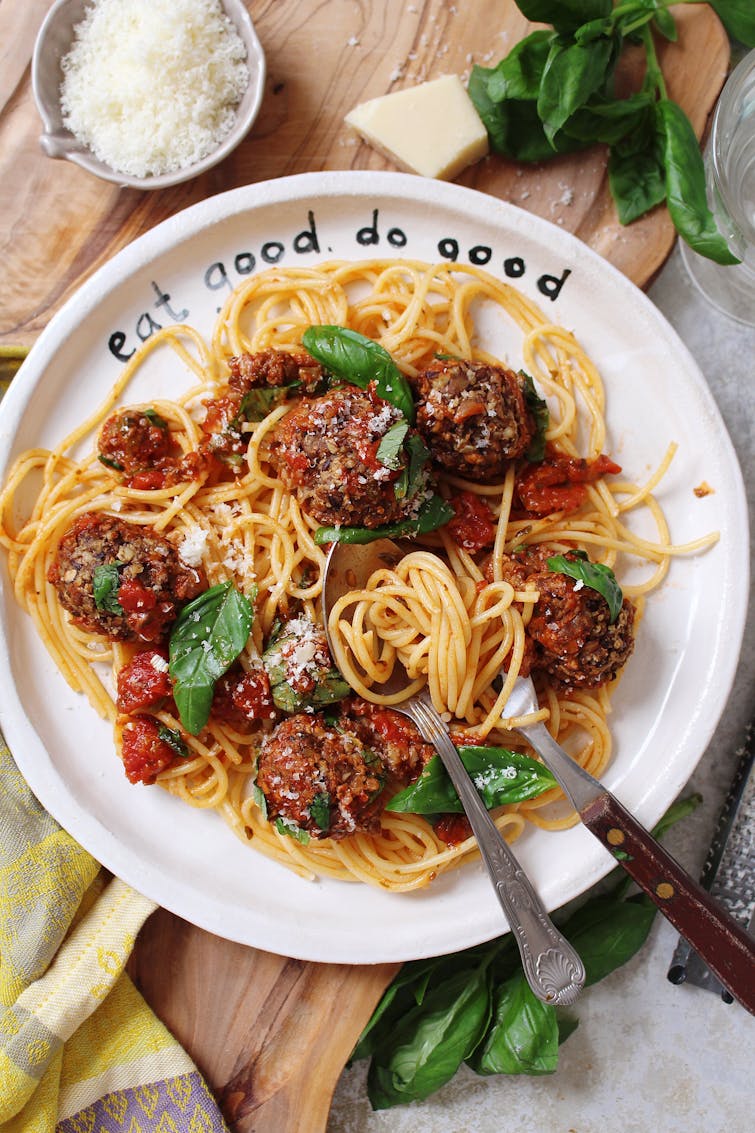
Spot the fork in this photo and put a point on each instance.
(552, 967)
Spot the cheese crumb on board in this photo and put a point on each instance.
(152, 86)
(432, 129)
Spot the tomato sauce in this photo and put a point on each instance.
(144, 681)
(473, 526)
(143, 753)
(558, 483)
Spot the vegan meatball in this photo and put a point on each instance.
(570, 634)
(326, 451)
(320, 780)
(121, 580)
(473, 417)
(391, 736)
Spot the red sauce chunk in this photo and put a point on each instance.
(143, 753)
(144, 681)
(473, 525)
(241, 697)
(558, 482)
(453, 829)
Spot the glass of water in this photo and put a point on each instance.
(730, 180)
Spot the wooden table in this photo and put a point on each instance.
(272, 1034)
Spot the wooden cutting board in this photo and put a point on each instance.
(272, 1034)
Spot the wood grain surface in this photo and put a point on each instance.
(272, 1034)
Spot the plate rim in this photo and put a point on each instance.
(187, 225)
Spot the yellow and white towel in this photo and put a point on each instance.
(80, 1049)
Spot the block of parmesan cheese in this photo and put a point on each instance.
(432, 129)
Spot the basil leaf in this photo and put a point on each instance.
(738, 17)
(665, 23)
(319, 810)
(390, 449)
(155, 419)
(206, 639)
(565, 15)
(433, 513)
(291, 830)
(572, 73)
(412, 477)
(636, 171)
(519, 75)
(106, 582)
(431, 1041)
(607, 932)
(597, 576)
(259, 401)
(328, 684)
(685, 185)
(682, 808)
(353, 358)
(609, 120)
(109, 462)
(514, 127)
(523, 1037)
(500, 776)
(173, 739)
(538, 407)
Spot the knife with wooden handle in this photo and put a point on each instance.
(721, 941)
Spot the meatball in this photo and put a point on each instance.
(390, 735)
(326, 452)
(225, 437)
(274, 368)
(133, 439)
(140, 594)
(570, 634)
(138, 444)
(320, 780)
(473, 417)
(575, 640)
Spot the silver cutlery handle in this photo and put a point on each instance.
(553, 969)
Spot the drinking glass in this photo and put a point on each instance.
(730, 182)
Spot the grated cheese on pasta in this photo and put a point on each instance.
(151, 86)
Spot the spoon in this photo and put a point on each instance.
(720, 941)
(553, 969)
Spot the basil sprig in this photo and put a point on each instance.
(106, 582)
(433, 513)
(207, 637)
(476, 1007)
(554, 93)
(597, 576)
(500, 776)
(353, 358)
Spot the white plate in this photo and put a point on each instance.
(675, 685)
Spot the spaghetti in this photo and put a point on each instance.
(452, 615)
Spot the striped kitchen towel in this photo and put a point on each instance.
(80, 1049)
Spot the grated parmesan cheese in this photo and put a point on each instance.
(151, 86)
(193, 546)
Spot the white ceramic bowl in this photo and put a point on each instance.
(53, 43)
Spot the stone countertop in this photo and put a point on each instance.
(647, 1055)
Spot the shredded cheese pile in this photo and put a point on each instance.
(151, 86)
